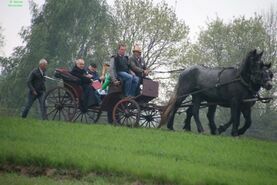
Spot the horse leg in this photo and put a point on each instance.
(210, 116)
(187, 121)
(247, 116)
(235, 116)
(196, 106)
(223, 128)
(172, 113)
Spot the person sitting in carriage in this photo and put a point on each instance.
(105, 79)
(92, 70)
(120, 68)
(89, 97)
(138, 65)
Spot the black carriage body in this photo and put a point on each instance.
(135, 111)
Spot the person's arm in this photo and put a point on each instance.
(113, 70)
(134, 69)
(30, 82)
(82, 76)
(107, 82)
(133, 66)
(104, 70)
(113, 74)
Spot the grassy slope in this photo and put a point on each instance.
(13, 179)
(90, 179)
(163, 156)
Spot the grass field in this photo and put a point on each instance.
(147, 155)
(90, 179)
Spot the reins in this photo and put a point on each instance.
(208, 88)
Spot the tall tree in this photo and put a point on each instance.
(1, 40)
(60, 31)
(225, 44)
(270, 24)
(154, 26)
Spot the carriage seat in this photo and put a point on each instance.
(66, 76)
(150, 90)
(71, 82)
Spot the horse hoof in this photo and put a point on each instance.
(220, 129)
(201, 131)
(170, 128)
(186, 129)
(216, 132)
(235, 134)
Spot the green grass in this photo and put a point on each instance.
(13, 179)
(144, 154)
(90, 179)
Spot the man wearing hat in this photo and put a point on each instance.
(137, 64)
(120, 68)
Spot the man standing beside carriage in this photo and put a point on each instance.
(36, 85)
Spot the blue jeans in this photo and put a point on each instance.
(130, 83)
(30, 101)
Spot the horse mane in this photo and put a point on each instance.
(244, 65)
(218, 67)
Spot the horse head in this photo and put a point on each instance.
(255, 72)
(253, 60)
(264, 76)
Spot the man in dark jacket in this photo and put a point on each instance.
(138, 66)
(137, 63)
(120, 68)
(36, 85)
(92, 69)
(89, 94)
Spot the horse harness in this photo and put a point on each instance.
(219, 84)
(239, 78)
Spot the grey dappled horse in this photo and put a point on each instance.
(227, 87)
(267, 76)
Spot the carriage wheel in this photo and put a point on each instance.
(126, 112)
(59, 104)
(90, 116)
(150, 118)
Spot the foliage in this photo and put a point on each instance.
(164, 157)
(270, 25)
(155, 27)
(60, 32)
(226, 44)
(2, 39)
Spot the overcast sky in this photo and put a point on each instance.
(195, 13)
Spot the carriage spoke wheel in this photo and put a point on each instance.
(126, 113)
(150, 118)
(89, 116)
(59, 104)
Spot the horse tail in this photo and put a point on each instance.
(178, 96)
(168, 107)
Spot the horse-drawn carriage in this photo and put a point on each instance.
(63, 103)
(236, 88)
